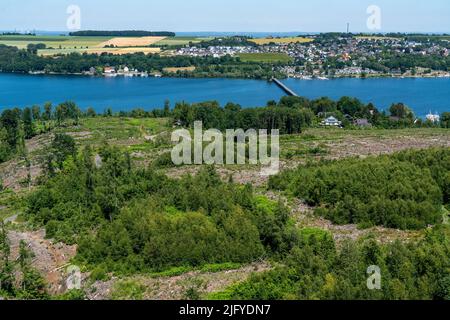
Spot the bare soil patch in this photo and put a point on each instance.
(50, 258)
(175, 288)
(304, 217)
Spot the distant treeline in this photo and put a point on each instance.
(17, 34)
(290, 115)
(287, 120)
(236, 41)
(404, 191)
(127, 33)
(13, 59)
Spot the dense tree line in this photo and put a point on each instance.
(405, 62)
(290, 115)
(16, 125)
(403, 191)
(146, 221)
(287, 120)
(316, 269)
(126, 33)
(235, 41)
(437, 161)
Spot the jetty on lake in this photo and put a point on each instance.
(284, 87)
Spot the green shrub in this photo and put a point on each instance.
(128, 290)
(129, 221)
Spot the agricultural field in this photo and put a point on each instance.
(180, 41)
(131, 41)
(116, 51)
(56, 42)
(375, 38)
(176, 69)
(65, 44)
(263, 41)
(264, 57)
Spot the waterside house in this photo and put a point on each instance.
(109, 72)
(433, 117)
(331, 122)
(125, 72)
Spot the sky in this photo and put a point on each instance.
(228, 15)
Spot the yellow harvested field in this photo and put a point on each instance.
(263, 41)
(117, 51)
(131, 41)
(175, 70)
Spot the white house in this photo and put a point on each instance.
(433, 117)
(331, 122)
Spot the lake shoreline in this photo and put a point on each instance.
(125, 93)
(186, 76)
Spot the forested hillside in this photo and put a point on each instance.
(316, 269)
(404, 191)
(145, 221)
(126, 33)
(101, 192)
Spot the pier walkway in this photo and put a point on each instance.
(284, 87)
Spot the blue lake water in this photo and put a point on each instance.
(16, 90)
(422, 94)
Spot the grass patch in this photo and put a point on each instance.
(122, 128)
(213, 268)
(207, 268)
(266, 205)
(445, 216)
(128, 290)
(181, 69)
(180, 41)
